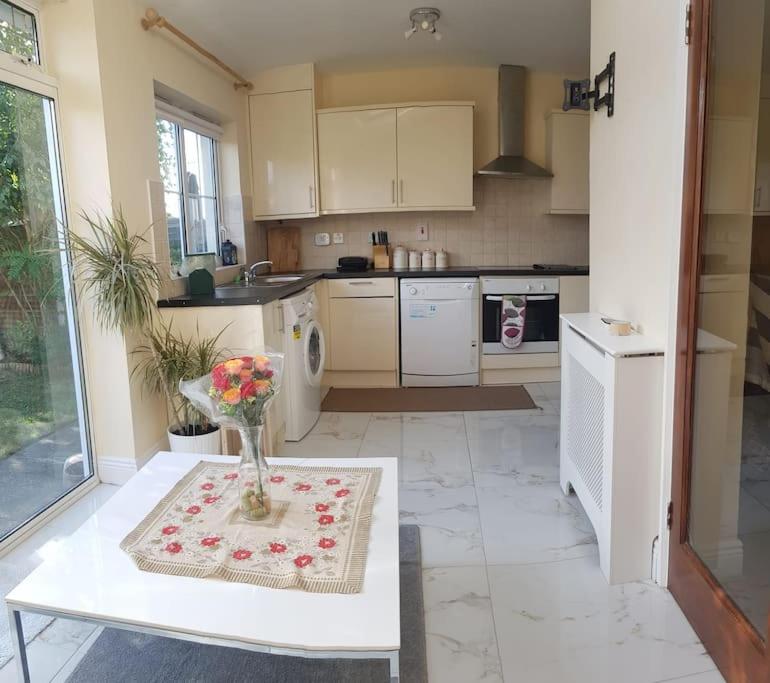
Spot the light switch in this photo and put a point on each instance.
(422, 232)
(322, 239)
(338, 238)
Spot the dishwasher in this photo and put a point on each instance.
(439, 332)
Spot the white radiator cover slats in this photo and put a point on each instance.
(610, 447)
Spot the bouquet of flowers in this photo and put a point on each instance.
(237, 393)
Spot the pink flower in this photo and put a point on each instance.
(342, 493)
(193, 510)
(327, 543)
(207, 486)
(303, 560)
(174, 548)
(321, 507)
(211, 499)
(277, 548)
(168, 530)
(277, 479)
(332, 482)
(242, 554)
(303, 487)
(232, 475)
(219, 378)
(210, 541)
(326, 520)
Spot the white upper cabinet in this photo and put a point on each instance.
(396, 158)
(435, 156)
(762, 182)
(357, 160)
(567, 145)
(283, 160)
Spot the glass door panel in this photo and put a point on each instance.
(44, 447)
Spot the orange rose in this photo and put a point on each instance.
(232, 396)
(245, 375)
(261, 386)
(233, 366)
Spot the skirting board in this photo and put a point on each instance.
(115, 470)
(342, 379)
(520, 376)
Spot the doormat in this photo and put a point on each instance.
(427, 399)
(127, 657)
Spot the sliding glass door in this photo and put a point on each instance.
(44, 451)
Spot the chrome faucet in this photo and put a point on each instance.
(251, 273)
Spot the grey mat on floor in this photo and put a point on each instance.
(126, 657)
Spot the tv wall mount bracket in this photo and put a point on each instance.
(577, 93)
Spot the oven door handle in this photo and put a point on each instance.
(543, 297)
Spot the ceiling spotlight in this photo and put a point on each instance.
(423, 18)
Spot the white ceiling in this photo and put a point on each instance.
(353, 35)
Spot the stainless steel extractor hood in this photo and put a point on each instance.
(510, 110)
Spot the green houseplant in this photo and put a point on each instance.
(116, 273)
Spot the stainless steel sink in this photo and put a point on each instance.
(245, 289)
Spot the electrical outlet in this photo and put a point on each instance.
(422, 232)
(322, 239)
(338, 238)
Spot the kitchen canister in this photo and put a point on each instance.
(428, 260)
(414, 260)
(400, 258)
(442, 259)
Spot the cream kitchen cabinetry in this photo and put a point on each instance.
(357, 155)
(283, 156)
(567, 143)
(435, 156)
(762, 180)
(396, 157)
(362, 332)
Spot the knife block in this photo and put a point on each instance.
(380, 256)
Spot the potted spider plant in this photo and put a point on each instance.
(166, 360)
(121, 280)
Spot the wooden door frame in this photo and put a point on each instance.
(737, 649)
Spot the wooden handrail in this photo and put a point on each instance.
(152, 19)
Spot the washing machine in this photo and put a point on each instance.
(304, 351)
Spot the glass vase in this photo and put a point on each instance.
(253, 476)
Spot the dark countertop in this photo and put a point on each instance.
(246, 295)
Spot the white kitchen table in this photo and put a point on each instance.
(89, 578)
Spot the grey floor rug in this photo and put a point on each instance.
(125, 657)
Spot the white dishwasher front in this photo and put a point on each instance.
(439, 332)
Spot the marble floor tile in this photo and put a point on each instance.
(712, 676)
(432, 448)
(335, 435)
(545, 406)
(507, 442)
(460, 632)
(561, 621)
(450, 531)
(527, 519)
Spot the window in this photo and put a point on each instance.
(18, 32)
(188, 169)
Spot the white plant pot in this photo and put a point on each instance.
(204, 444)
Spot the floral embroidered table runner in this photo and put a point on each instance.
(316, 537)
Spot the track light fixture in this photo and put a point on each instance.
(424, 19)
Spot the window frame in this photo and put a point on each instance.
(30, 7)
(183, 120)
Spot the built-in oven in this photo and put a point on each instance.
(541, 326)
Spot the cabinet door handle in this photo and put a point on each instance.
(312, 197)
(361, 282)
(393, 191)
(757, 197)
(401, 188)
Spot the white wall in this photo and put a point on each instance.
(636, 180)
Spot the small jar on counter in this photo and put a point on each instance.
(400, 258)
(428, 260)
(414, 260)
(442, 259)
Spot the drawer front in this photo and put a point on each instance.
(362, 287)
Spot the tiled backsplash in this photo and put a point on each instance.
(510, 226)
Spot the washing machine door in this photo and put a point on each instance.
(314, 353)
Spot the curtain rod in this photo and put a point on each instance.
(152, 19)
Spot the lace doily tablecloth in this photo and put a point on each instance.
(315, 538)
